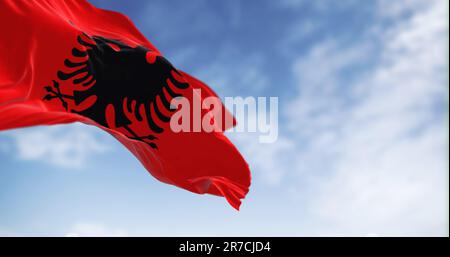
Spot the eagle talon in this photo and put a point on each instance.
(152, 145)
(56, 94)
(144, 139)
(151, 137)
(56, 85)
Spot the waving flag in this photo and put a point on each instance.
(67, 61)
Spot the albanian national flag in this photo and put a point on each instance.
(68, 61)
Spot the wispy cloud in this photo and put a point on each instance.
(374, 142)
(67, 146)
(267, 161)
(84, 229)
(232, 72)
(319, 5)
(366, 142)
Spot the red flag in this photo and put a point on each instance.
(68, 61)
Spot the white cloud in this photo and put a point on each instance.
(265, 160)
(374, 145)
(67, 146)
(300, 30)
(369, 140)
(94, 230)
(231, 70)
(5, 233)
(173, 16)
(395, 9)
(320, 5)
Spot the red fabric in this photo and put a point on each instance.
(36, 38)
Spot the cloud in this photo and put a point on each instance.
(299, 31)
(232, 70)
(162, 21)
(265, 160)
(320, 5)
(390, 9)
(67, 146)
(94, 230)
(367, 142)
(5, 233)
(371, 121)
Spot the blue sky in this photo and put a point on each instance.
(363, 120)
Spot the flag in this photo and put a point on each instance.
(68, 61)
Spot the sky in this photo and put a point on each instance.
(363, 128)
